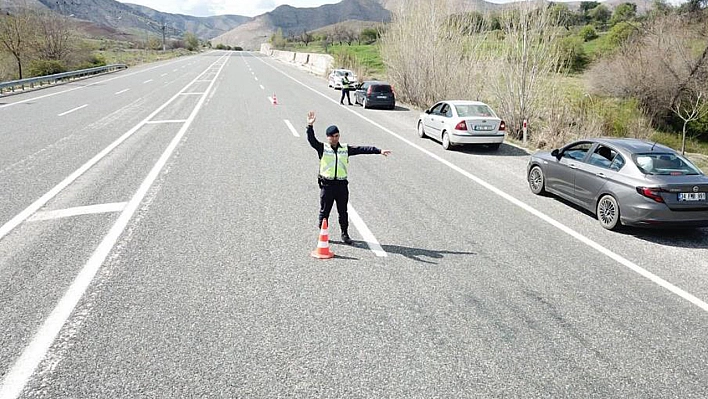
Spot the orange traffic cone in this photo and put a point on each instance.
(275, 99)
(322, 251)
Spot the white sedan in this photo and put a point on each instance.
(335, 78)
(462, 122)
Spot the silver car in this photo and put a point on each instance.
(462, 122)
(624, 182)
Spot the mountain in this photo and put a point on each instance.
(296, 20)
(204, 27)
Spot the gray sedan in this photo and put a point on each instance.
(624, 182)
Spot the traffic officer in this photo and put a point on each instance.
(345, 89)
(334, 165)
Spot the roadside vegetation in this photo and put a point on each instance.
(590, 71)
(36, 43)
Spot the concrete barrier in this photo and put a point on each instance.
(318, 64)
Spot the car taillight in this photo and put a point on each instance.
(368, 91)
(502, 126)
(653, 193)
(461, 126)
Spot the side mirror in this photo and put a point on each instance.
(556, 153)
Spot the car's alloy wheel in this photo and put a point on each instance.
(421, 130)
(608, 212)
(537, 181)
(446, 141)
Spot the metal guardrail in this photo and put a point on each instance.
(22, 84)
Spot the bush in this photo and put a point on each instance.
(588, 33)
(220, 46)
(45, 67)
(573, 57)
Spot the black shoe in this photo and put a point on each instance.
(351, 104)
(346, 239)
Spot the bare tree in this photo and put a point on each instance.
(691, 107)
(55, 34)
(306, 37)
(529, 62)
(16, 36)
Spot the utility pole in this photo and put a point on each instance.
(163, 34)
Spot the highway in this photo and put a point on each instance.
(156, 226)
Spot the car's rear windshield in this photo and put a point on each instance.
(669, 164)
(474, 110)
(381, 88)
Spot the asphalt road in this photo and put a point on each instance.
(155, 236)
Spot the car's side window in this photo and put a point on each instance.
(577, 152)
(436, 109)
(617, 163)
(603, 156)
(444, 110)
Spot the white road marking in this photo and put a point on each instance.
(560, 226)
(83, 87)
(366, 234)
(122, 91)
(147, 81)
(292, 128)
(256, 79)
(72, 110)
(175, 70)
(81, 210)
(35, 206)
(164, 74)
(15, 380)
(262, 88)
(166, 121)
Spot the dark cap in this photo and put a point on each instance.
(332, 130)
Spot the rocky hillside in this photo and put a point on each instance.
(296, 20)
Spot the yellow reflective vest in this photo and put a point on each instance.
(334, 165)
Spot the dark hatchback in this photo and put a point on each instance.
(373, 93)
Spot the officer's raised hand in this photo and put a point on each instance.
(311, 118)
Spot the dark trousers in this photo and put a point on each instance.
(330, 194)
(345, 92)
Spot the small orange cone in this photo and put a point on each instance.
(322, 251)
(275, 99)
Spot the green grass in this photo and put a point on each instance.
(135, 56)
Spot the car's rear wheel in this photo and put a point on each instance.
(537, 181)
(421, 130)
(446, 141)
(608, 212)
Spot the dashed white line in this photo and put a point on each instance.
(256, 78)
(73, 110)
(366, 234)
(147, 81)
(164, 74)
(81, 210)
(262, 88)
(292, 128)
(528, 208)
(122, 91)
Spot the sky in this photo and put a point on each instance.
(206, 8)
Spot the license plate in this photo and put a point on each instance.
(381, 97)
(692, 196)
(485, 128)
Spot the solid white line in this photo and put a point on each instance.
(585, 240)
(81, 210)
(262, 88)
(83, 87)
(16, 379)
(72, 110)
(22, 216)
(147, 81)
(122, 91)
(366, 234)
(292, 128)
(166, 121)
